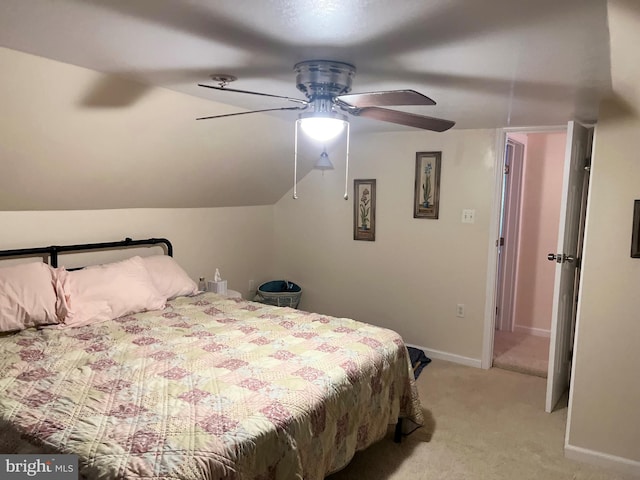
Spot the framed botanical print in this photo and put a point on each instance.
(364, 210)
(426, 195)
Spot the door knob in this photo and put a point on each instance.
(560, 257)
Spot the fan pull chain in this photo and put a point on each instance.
(295, 161)
(346, 170)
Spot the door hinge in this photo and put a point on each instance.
(506, 169)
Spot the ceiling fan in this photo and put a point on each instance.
(324, 114)
(327, 84)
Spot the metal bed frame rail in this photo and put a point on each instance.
(53, 250)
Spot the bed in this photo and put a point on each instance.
(208, 387)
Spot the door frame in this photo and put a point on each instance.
(494, 235)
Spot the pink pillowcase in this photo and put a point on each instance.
(169, 277)
(28, 296)
(103, 292)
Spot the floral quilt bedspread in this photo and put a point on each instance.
(210, 387)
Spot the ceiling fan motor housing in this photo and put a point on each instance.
(324, 78)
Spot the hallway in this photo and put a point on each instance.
(520, 352)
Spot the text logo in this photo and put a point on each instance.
(50, 467)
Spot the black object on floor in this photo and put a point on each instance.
(418, 360)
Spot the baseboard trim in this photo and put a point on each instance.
(600, 459)
(449, 357)
(538, 332)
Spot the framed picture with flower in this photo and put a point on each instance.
(364, 210)
(426, 196)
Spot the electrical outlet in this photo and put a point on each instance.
(252, 286)
(460, 310)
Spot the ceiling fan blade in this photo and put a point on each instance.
(252, 111)
(405, 118)
(225, 89)
(385, 98)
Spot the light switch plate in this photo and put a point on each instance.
(468, 215)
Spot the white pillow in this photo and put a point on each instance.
(27, 296)
(103, 292)
(169, 277)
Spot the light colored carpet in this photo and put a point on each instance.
(521, 353)
(481, 425)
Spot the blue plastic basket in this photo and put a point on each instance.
(280, 293)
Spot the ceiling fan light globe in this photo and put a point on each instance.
(322, 128)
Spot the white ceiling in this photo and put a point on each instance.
(487, 64)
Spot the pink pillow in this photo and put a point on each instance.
(169, 277)
(27, 296)
(103, 292)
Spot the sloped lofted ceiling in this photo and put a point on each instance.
(99, 97)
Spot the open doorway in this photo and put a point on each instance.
(529, 220)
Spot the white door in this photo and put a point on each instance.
(577, 154)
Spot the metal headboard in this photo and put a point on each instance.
(54, 250)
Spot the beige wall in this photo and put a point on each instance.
(417, 270)
(73, 138)
(539, 220)
(604, 414)
(238, 240)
